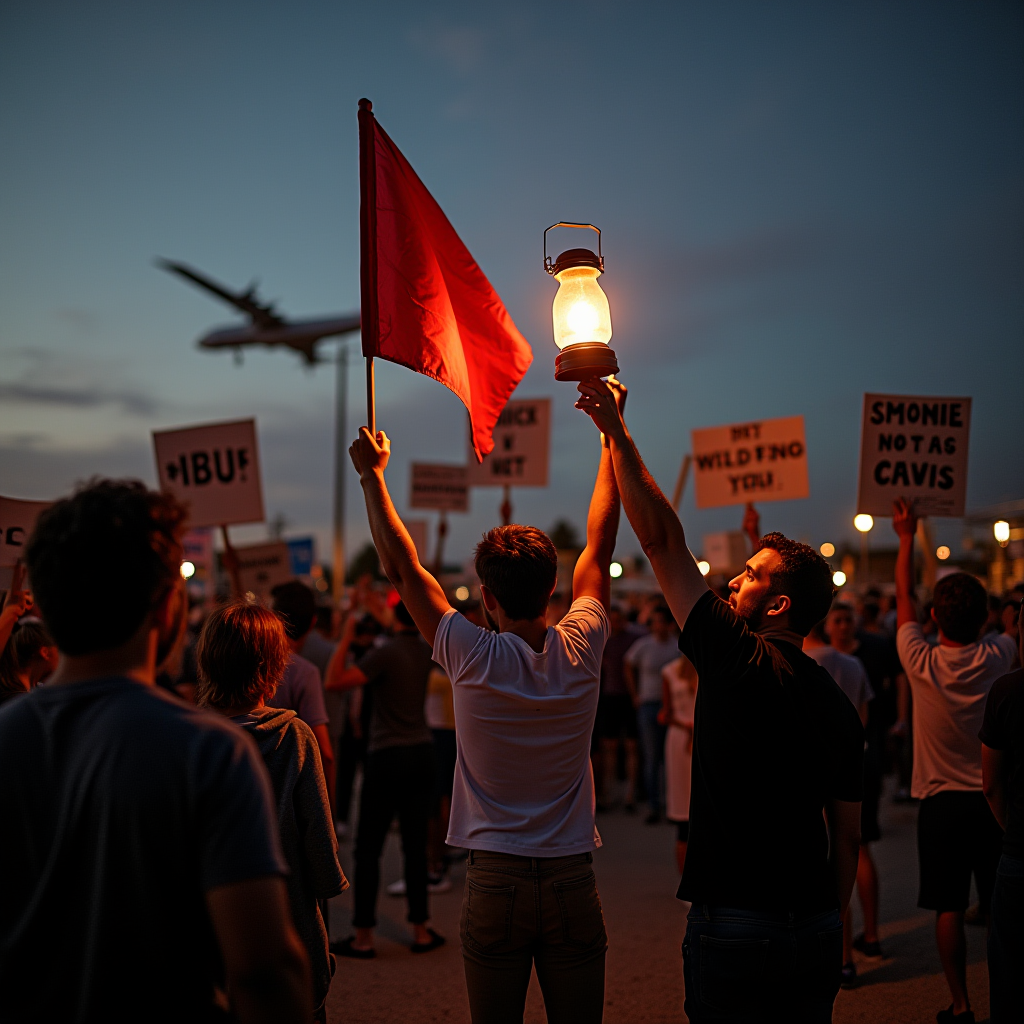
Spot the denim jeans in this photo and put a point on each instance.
(521, 912)
(749, 967)
(1006, 942)
(652, 750)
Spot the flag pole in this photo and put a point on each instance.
(368, 251)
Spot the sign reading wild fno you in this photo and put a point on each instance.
(914, 447)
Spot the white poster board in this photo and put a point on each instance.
(214, 469)
(17, 520)
(522, 439)
(915, 448)
(442, 487)
(262, 566)
(763, 460)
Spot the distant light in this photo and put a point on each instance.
(1001, 531)
(827, 550)
(321, 584)
(839, 578)
(615, 570)
(863, 522)
(188, 570)
(462, 593)
(942, 552)
(705, 567)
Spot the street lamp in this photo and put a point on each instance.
(1001, 532)
(615, 570)
(864, 524)
(839, 578)
(827, 549)
(581, 319)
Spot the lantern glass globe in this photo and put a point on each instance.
(580, 311)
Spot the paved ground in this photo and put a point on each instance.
(637, 879)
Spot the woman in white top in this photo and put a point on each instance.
(679, 683)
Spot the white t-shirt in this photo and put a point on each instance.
(648, 656)
(848, 672)
(523, 721)
(950, 686)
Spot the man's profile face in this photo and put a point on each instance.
(840, 626)
(750, 592)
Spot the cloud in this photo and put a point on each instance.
(136, 403)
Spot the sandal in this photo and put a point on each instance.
(345, 948)
(425, 947)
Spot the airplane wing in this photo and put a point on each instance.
(262, 314)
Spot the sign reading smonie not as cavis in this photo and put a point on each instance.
(915, 448)
(761, 460)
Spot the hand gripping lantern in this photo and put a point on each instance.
(580, 315)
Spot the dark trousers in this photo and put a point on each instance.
(1006, 942)
(396, 780)
(748, 967)
(348, 753)
(519, 912)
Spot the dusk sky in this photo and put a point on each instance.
(800, 203)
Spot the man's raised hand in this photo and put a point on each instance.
(370, 455)
(904, 522)
(604, 402)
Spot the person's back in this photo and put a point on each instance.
(144, 873)
(535, 709)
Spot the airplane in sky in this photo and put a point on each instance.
(266, 326)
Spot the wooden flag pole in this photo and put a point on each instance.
(368, 251)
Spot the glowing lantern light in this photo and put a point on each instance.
(580, 316)
(827, 550)
(942, 552)
(188, 570)
(462, 593)
(863, 522)
(705, 567)
(615, 570)
(1001, 531)
(839, 578)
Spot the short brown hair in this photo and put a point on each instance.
(804, 577)
(241, 656)
(519, 566)
(960, 607)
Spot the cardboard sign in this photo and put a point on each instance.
(440, 487)
(262, 566)
(214, 469)
(522, 439)
(914, 448)
(765, 460)
(301, 553)
(17, 521)
(726, 551)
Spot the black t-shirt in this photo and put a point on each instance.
(774, 740)
(878, 655)
(121, 807)
(1003, 729)
(398, 671)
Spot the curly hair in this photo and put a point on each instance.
(960, 607)
(804, 577)
(519, 566)
(100, 560)
(241, 656)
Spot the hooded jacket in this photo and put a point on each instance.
(290, 752)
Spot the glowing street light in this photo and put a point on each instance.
(1001, 531)
(580, 317)
(827, 550)
(942, 552)
(615, 570)
(839, 578)
(462, 593)
(705, 567)
(188, 570)
(863, 522)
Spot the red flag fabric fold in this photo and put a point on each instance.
(435, 311)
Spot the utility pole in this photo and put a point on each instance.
(340, 452)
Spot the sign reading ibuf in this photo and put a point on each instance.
(765, 460)
(439, 486)
(214, 469)
(522, 437)
(914, 448)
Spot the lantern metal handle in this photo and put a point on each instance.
(548, 265)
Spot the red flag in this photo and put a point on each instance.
(427, 305)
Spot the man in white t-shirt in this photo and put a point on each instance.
(525, 697)
(643, 664)
(956, 831)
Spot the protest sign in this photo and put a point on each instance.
(214, 469)
(725, 552)
(439, 486)
(763, 460)
(262, 566)
(17, 520)
(301, 552)
(914, 448)
(522, 439)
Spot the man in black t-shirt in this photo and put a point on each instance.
(140, 851)
(1002, 764)
(777, 752)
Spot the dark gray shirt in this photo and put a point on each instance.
(398, 671)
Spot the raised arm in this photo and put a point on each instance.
(420, 592)
(653, 519)
(592, 578)
(904, 522)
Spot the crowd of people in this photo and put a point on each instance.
(175, 780)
